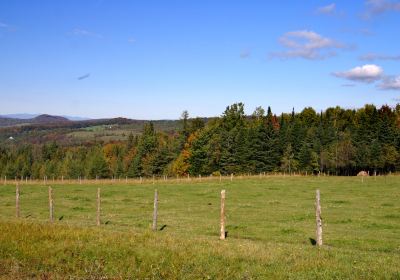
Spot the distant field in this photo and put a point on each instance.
(82, 132)
(270, 221)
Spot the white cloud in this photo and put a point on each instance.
(307, 44)
(132, 40)
(85, 33)
(3, 25)
(375, 56)
(327, 10)
(390, 83)
(376, 7)
(367, 73)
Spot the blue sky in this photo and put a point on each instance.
(154, 59)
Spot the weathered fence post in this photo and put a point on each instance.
(222, 231)
(155, 210)
(318, 219)
(98, 207)
(231, 177)
(51, 206)
(17, 201)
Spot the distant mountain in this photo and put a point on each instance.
(40, 119)
(25, 116)
(75, 118)
(49, 119)
(20, 116)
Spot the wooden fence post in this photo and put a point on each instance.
(51, 206)
(318, 219)
(222, 231)
(17, 201)
(231, 177)
(155, 210)
(98, 207)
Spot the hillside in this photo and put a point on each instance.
(44, 128)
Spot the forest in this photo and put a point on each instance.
(339, 141)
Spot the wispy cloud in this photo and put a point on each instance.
(390, 83)
(131, 40)
(376, 56)
(366, 74)
(6, 27)
(85, 33)
(377, 7)
(308, 45)
(348, 85)
(84, 76)
(327, 10)
(358, 32)
(245, 54)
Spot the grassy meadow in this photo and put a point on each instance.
(270, 224)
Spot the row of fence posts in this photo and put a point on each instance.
(223, 234)
(164, 177)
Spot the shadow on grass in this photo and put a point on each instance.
(163, 227)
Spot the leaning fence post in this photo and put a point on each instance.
(98, 207)
(155, 210)
(17, 201)
(222, 232)
(51, 206)
(318, 218)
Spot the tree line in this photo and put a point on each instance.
(339, 141)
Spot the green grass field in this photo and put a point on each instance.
(270, 221)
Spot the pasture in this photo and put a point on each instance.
(270, 224)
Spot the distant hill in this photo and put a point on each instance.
(20, 116)
(49, 119)
(25, 116)
(45, 128)
(40, 119)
